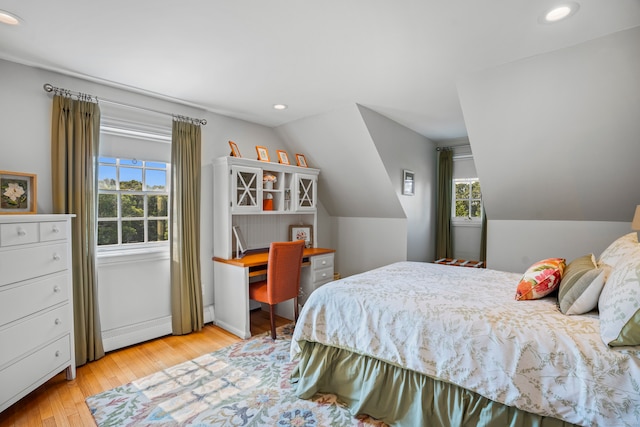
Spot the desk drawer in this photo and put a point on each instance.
(22, 264)
(322, 276)
(322, 261)
(25, 336)
(19, 233)
(54, 230)
(19, 378)
(17, 302)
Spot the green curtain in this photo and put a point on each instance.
(75, 131)
(186, 288)
(444, 247)
(483, 237)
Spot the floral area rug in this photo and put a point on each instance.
(245, 384)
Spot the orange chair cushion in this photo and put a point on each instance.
(258, 291)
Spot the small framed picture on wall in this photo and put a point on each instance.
(408, 183)
(302, 232)
(17, 193)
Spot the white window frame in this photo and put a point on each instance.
(145, 246)
(467, 221)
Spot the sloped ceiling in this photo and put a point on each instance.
(353, 181)
(557, 136)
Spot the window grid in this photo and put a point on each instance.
(138, 194)
(466, 200)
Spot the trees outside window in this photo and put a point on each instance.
(133, 202)
(467, 200)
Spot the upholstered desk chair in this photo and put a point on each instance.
(283, 278)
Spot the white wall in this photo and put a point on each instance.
(515, 245)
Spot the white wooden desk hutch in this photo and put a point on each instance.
(239, 200)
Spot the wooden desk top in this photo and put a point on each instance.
(261, 258)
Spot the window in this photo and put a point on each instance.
(133, 202)
(467, 200)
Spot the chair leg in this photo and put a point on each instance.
(295, 309)
(272, 316)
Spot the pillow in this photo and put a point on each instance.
(619, 249)
(540, 279)
(581, 285)
(619, 304)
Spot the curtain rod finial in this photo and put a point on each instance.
(47, 87)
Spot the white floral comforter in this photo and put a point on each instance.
(463, 325)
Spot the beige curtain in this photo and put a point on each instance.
(444, 246)
(75, 130)
(186, 288)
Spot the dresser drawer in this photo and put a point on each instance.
(27, 263)
(26, 374)
(31, 333)
(322, 261)
(19, 233)
(17, 302)
(54, 230)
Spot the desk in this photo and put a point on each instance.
(231, 285)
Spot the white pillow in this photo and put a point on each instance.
(619, 249)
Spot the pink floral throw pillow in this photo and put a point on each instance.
(541, 279)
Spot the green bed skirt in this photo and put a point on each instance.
(398, 396)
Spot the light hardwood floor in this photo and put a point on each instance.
(61, 403)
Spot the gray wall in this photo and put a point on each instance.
(555, 138)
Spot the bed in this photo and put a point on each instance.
(424, 344)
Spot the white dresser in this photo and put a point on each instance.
(36, 303)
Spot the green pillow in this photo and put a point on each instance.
(581, 285)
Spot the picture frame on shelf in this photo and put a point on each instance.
(302, 232)
(235, 151)
(408, 183)
(301, 160)
(283, 157)
(18, 193)
(263, 153)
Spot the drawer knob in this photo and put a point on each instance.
(324, 274)
(22, 231)
(55, 229)
(56, 257)
(324, 262)
(56, 289)
(57, 321)
(57, 353)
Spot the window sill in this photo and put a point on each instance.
(476, 224)
(114, 256)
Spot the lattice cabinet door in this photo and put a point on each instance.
(305, 192)
(246, 189)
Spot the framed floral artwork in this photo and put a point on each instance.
(263, 153)
(17, 193)
(302, 232)
(235, 152)
(283, 157)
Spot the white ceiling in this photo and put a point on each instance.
(401, 58)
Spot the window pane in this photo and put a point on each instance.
(107, 206)
(476, 209)
(106, 177)
(132, 205)
(462, 208)
(462, 191)
(156, 165)
(130, 179)
(156, 180)
(158, 230)
(475, 190)
(157, 205)
(107, 160)
(107, 233)
(131, 162)
(132, 231)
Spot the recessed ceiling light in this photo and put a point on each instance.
(560, 12)
(9, 18)
(280, 106)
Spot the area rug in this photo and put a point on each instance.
(245, 384)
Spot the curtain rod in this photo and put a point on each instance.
(452, 147)
(86, 97)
